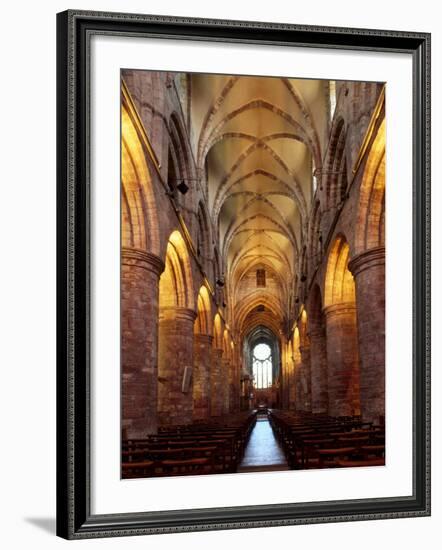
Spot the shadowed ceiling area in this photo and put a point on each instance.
(258, 141)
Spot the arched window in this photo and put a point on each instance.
(262, 366)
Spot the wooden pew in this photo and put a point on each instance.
(220, 444)
(329, 457)
(302, 435)
(367, 462)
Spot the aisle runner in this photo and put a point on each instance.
(263, 452)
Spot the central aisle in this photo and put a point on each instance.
(263, 452)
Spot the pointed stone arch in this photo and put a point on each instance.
(226, 343)
(263, 104)
(141, 267)
(342, 333)
(203, 321)
(252, 301)
(303, 377)
(175, 334)
(176, 282)
(295, 396)
(202, 356)
(339, 282)
(334, 175)
(318, 353)
(252, 174)
(211, 112)
(368, 268)
(261, 145)
(216, 369)
(370, 221)
(139, 213)
(217, 332)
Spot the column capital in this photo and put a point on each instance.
(140, 258)
(315, 333)
(366, 260)
(340, 309)
(178, 313)
(205, 338)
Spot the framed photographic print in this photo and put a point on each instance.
(243, 274)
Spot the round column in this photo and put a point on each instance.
(140, 273)
(342, 359)
(318, 366)
(285, 377)
(201, 376)
(303, 386)
(225, 376)
(233, 388)
(175, 360)
(296, 366)
(368, 270)
(216, 397)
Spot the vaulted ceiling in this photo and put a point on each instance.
(258, 141)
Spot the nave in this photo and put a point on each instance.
(252, 273)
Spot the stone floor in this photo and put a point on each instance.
(263, 452)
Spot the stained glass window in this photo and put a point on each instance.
(262, 366)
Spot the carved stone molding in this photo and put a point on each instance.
(204, 338)
(178, 313)
(367, 259)
(343, 308)
(141, 259)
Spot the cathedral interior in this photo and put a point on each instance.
(252, 273)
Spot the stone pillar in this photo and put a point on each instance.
(175, 353)
(285, 378)
(232, 386)
(303, 398)
(140, 273)
(318, 365)
(201, 376)
(235, 384)
(298, 389)
(342, 359)
(225, 375)
(368, 270)
(294, 389)
(216, 397)
(292, 383)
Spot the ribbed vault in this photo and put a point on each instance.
(256, 142)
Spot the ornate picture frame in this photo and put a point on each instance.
(75, 518)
